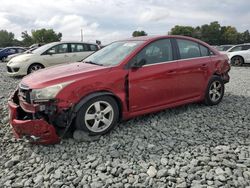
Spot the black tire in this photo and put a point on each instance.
(214, 88)
(89, 109)
(34, 67)
(237, 61)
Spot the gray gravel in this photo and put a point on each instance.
(188, 146)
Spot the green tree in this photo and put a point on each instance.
(27, 39)
(211, 33)
(6, 38)
(229, 35)
(139, 33)
(183, 30)
(244, 37)
(45, 36)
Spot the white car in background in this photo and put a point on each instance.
(49, 55)
(239, 54)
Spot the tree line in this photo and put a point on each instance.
(213, 33)
(37, 36)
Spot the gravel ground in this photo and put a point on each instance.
(188, 146)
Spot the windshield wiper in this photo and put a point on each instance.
(93, 63)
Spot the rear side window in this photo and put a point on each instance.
(78, 48)
(246, 47)
(188, 49)
(93, 47)
(204, 51)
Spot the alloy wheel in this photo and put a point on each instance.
(99, 116)
(215, 91)
(35, 68)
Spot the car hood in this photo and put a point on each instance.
(21, 57)
(62, 73)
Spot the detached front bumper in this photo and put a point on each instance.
(37, 131)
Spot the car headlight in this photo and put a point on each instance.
(47, 93)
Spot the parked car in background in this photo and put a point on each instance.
(14, 55)
(239, 54)
(125, 79)
(37, 45)
(223, 48)
(4, 53)
(49, 55)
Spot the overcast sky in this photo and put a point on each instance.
(109, 20)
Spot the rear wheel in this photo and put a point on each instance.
(237, 61)
(34, 67)
(215, 91)
(98, 116)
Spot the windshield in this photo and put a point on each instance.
(113, 54)
(43, 48)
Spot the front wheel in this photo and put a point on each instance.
(215, 91)
(34, 67)
(98, 116)
(237, 61)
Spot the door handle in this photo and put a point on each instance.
(171, 71)
(66, 56)
(204, 66)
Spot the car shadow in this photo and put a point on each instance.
(169, 131)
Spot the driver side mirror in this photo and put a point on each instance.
(139, 64)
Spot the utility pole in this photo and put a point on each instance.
(81, 35)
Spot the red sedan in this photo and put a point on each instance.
(125, 79)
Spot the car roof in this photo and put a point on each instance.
(61, 42)
(156, 37)
(13, 47)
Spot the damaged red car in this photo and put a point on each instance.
(125, 79)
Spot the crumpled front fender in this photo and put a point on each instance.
(39, 128)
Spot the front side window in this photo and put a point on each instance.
(188, 49)
(236, 49)
(58, 49)
(156, 52)
(11, 51)
(113, 54)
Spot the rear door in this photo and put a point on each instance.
(153, 84)
(80, 51)
(56, 55)
(193, 67)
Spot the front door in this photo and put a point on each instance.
(154, 83)
(56, 55)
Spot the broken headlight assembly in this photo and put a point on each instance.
(47, 93)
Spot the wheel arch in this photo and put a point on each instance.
(98, 94)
